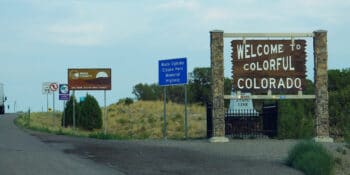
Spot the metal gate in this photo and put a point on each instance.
(270, 117)
(248, 124)
(209, 120)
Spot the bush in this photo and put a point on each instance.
(311, 158)
(126, 101)
(295, 119)
(90, 115)
(67, 116)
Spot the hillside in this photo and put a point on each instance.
(144, 119)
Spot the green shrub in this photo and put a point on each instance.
(311, 158)
(122, 120)
(90, 115)
(67, 116)
(126, 101)
(295, 119)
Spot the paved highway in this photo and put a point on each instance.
(22, 154)
(45, 154)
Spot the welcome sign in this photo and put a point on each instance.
(90, 79)
(260, 65)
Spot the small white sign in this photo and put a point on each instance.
(48, 87)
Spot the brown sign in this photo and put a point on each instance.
(89, 79)
(278, 65)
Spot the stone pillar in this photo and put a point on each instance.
(321, 86)
(217, 87)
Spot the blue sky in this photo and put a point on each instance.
(41, 39)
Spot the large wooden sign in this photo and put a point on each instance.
(89, 79)
(260, 65)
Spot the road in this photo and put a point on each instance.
(40, 153)
(22, 154)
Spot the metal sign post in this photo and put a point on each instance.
(47, 102)
(63, 94)
(105, 114)
(90, 79)
(173, 72)
(64, 114)
(53, 88)
(53, 101)
(73, 109)
(165, 125)
(186, 127)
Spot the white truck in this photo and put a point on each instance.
(2, 99)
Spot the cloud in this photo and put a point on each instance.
(179, 4)
(76, 29)
(85, 34)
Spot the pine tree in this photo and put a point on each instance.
(67, 118)
(90, 115)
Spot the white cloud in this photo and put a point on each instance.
(216, 14)
(76, 29)
(85, 34)
(179, 4)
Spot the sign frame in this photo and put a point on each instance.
(262, 65)
(63, 92)
(89, 78)
(172, 72)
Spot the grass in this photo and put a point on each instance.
(47, 122)
(311, 158)
(139, 120)
(144, 119)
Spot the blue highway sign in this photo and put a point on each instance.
(172, 71)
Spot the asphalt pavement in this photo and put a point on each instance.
(30, 152)
(23, 154)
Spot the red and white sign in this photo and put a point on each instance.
(53, 87)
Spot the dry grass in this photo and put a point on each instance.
(144, 119)
(140, 120)
(48, 122)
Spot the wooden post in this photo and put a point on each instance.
(217, 72)
(321, 86)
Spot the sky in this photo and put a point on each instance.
(41, 39)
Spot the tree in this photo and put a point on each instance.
(338, 79)
(146, 92)
(296, 117)
(90, 115)
(67, 118)
(198, 88)
(200, 85)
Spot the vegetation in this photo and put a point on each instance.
(67, 118)
(126, 101)
(144, 117)
(311, 158)
(199, 88)
(339, 103)
(139, 120)
(90, 115)
(296, 117)
(48, 122)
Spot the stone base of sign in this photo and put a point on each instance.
(219, 140)
(323, 139)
